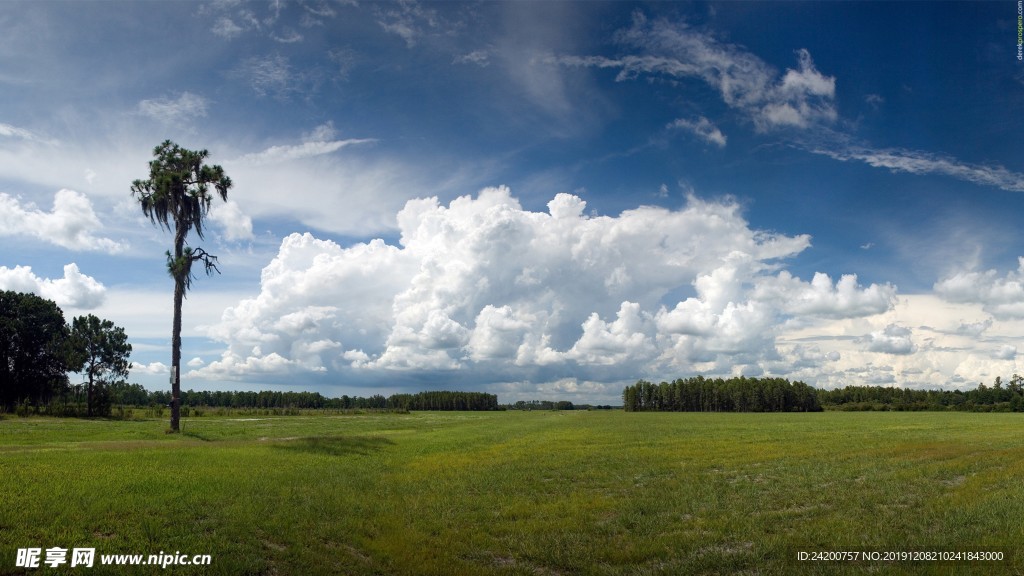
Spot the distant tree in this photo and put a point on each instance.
(177, 197)
(34, 355)
(103, 352)
(738, 394)
(131, 394)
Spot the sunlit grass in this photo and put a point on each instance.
(517, 493)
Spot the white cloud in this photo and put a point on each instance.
(1001, 297)
(231, 365)
(974, 329)
(320, 141)
(918, 162)
(310, 149)
(409, 20)
(288, 36)
(629, 338)
(71, 223)
(484, 284)
(302, 293)
(922, 342)
(269, 75)
(226, 28)
(801, 98)
(186, 107)
(481, 58)
(322, 133)
(819, 298)
(892, 340)
(703, 128)
(152, 368)
(9, 131)
(74, 290)
(1005, 352)
(236, 224)
(340, 186)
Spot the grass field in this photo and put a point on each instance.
(540, 493)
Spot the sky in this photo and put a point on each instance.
(538, 200)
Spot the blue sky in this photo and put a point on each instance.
(535, 199)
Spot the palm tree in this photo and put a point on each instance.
(177, 197)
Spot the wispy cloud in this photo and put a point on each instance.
(320, 141)
(407, 19)
(14, 132)
(186, 107)
(268, 75)
(801, 98)
(919, 162)
(226, 28)
(287, 37)
(481, 58)
(702, 128)
(231, 20)
(9, 131)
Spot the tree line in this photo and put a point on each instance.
(444, 400)
(999, 397)
(553, 405)
(739, 394)
(124, 394)
(700, 394)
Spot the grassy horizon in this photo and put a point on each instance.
(517, 492)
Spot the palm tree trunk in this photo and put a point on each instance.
(179, 296)
(179, 293)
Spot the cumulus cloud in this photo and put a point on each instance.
(74, 290)
(153, 368)
(236, 224)
(974, 329)
(71, 223)
(1005, 352)
(820, 298)
(1003, 297)
(892, 340)
(544, 296)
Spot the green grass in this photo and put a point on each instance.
(540, 493)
